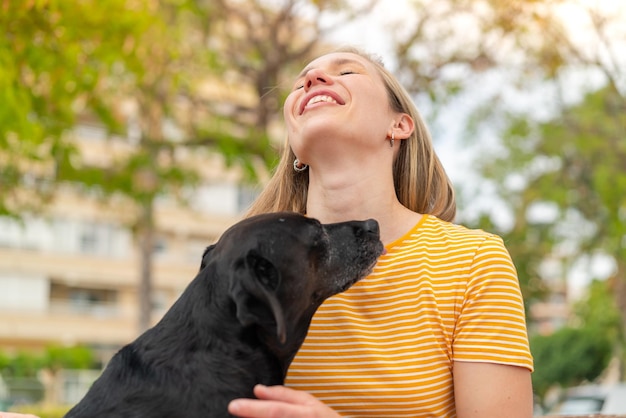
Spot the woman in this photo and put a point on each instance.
(438, 329)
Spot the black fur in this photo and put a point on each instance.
(239, 322)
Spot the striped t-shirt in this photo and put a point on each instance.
(385, 348)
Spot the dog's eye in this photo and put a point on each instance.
(264, 271)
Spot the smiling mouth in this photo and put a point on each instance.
(319, 98)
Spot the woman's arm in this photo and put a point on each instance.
(488, 390)
(482, 390)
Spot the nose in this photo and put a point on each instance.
(371, 227)
(315, 76)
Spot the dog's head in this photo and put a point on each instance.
(282, 266)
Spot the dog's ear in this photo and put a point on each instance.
(206, 252)
(253, 288)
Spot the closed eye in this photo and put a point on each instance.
(298, 86)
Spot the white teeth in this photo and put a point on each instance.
(321, 98)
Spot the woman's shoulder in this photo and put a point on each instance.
(432, 224)
(434, 235)
(442, 236)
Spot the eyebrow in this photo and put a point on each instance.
(336, 63)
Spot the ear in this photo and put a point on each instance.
(205, 256)
(403, 127)
(253, 287)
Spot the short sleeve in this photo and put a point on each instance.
(491, 327)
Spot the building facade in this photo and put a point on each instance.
(70, 274)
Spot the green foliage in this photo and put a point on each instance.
(574, 355)
(599, 310)
(569, 357)
(65, 59)
(23, 364)
(78, 357)
(4, 361)
(54, 56)
(54, 358)
(588, 141)
(573, 163)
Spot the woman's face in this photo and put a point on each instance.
(338, 106)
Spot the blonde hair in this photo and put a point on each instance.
(420, 181)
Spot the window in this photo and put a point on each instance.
(91, 301)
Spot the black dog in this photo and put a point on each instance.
(239, 322)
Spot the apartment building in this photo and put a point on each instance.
(70, 275)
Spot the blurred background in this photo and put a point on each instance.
(133, 132)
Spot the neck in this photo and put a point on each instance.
(337, 197)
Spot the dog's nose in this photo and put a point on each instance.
(371, 227)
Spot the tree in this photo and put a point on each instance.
(152, 82)
(173, 56)
(54, 56)
(572, 164)
(46, 366)
(568, 357)
(598, 310)
(448, 43)
(579, 352)
(57, 358)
